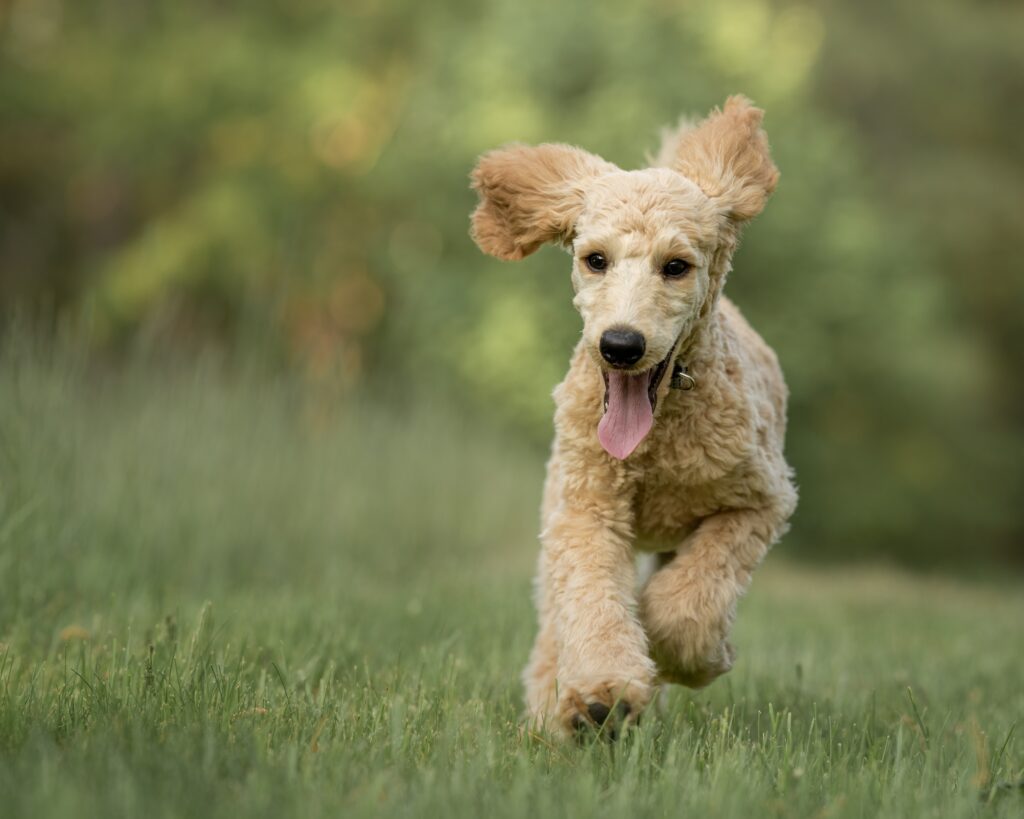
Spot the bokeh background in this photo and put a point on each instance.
(280, 187)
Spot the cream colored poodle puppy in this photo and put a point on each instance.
(669, 425)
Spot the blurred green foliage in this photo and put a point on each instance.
(286, 179)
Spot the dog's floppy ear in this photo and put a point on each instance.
(530, 195)
(727, 156)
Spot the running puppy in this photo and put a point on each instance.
(669, 425)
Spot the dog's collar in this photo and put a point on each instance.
(681, 378)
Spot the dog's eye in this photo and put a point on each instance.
(596, 262)
(676, 269)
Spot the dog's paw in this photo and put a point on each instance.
(683, 666)
(687, 629)
(603, 708)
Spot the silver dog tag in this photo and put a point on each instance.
(681, 379)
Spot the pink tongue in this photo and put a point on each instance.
(629, 415)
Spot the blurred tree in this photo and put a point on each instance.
(288, 178)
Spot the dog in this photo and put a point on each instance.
(669, 425)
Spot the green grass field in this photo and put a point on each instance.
(222, 597)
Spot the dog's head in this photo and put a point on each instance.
(650, 247)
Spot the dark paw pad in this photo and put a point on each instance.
(602, 718)
(599, 712)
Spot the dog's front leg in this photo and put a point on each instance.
(587, 568)
(688, 606)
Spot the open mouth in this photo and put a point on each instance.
(629, 402)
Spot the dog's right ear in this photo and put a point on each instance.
(530, 195)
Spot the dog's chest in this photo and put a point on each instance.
(668, 506)
(688, 471)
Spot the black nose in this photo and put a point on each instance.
(622, 347)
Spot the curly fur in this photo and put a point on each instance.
(708, 488)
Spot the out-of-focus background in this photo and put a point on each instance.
(280, 186)
(273, 430)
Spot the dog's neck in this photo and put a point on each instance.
(700, 346)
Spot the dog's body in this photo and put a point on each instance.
(697, 475)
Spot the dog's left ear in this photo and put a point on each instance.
(727, 156)
(530, 195)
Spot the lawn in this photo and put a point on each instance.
(227, 595)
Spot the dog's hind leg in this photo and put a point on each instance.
(688, 606)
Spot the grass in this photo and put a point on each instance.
(221, 597)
